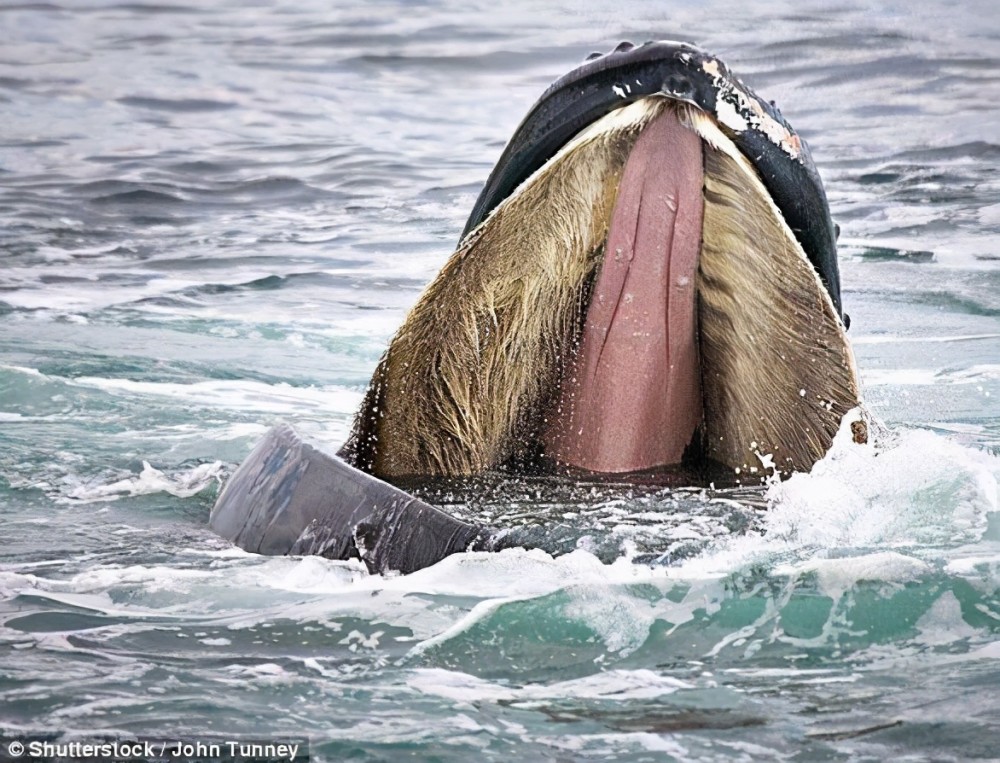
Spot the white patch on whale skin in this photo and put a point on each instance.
(738, 111)
(729, 116)
(706, 128)
(619, 91)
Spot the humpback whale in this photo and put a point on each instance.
(647, 283)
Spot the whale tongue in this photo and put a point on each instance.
(631, 397)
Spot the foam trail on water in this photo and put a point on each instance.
(916, 489)
(183, 484)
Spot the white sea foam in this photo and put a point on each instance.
(182, 484)
(989, 652)
(281, 398)
(899, 377)
(896, 339)
(73, 298)
(615, 684)
(89, 292)
(916, 489)
(490, 574)
(865, 513)
(215, 641)
(837, 576)
(611, 745)
(943, 622)
(924, 376)
(874, 513)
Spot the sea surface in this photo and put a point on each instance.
(213, 215)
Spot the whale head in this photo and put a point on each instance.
(647, 281)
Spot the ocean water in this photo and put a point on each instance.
(214, 215)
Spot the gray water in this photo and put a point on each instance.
(214, 215)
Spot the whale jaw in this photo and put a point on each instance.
(587, 324)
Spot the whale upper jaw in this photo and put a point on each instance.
(536, 343)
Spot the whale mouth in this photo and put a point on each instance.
(649, 276)
(631, 395)
(637, 302)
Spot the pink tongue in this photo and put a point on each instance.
(632, 397)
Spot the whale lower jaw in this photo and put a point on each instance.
(586, 323)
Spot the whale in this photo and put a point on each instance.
(646, 287)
